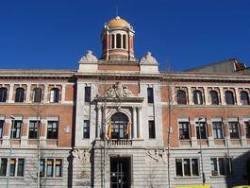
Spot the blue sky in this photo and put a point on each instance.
(54, 34)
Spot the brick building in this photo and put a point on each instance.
(120, 122)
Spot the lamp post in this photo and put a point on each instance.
(202, 168)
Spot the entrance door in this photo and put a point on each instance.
(120, 172)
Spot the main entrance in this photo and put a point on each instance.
(120, 176)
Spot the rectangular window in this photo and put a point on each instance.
(201, 131)
(220, 166)
(3, 166)
(20, 167)
(52, 130)
(1, 128)
(184, 130)
(234, 130)
(50, 165)
(218, 130)
(151, 128)
(178, 164)
(16, 129)
(247, 125)
(58, 166)
(150, 92)
(187, 167)
(86, 128)
(33, 129)
(42, 167)
(12, 167)
(87, 97)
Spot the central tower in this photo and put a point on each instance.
(118, 40)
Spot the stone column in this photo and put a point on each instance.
(11, 92)
(138, 110)
(134, 123)
(210, 133)
(226, 133)
(6, 132)
(28, 94)
(24, 132)
(206, 94)
(243, 139)
(222, 96)
(190, 96)
(63, 93)
(237, 94)
(193, 133)
(99, 121)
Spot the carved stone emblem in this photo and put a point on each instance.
(82, 155)
(148, 59)
(88, 58)
(118, 91)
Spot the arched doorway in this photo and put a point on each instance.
(120, 127)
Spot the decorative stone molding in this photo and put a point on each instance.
(88, 63)
(148, 59)
(149, 64)
(88, 58)
(118, 91)
(82, 155)
(156, 155)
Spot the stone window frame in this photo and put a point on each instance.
(7, 87)
(201, 90)
(16, 86)
(190, 166)
(216, 89)
(185, 90)
(248, 95)
(50, 88)
(233, 91)
(44, 172)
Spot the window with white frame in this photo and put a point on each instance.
(16, 167)
(184, 130)
(1, 128)
(51, 167)
(197, 97)
(187, 167)
(3, 166)
(3, 94)
(234, 130)
(220, 166)
(16, 129)
(33, 129)
(54, 95)
(52, 130)
(201, 130)
(86, 129)
(247, 128)
(217, 129)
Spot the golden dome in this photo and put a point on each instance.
(117, 22)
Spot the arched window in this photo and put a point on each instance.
(19, 94)
(3, 94)
(118, 41)
(124, 42)
(244, 98)
(37, 94)
(54, 95)
(229, 98)
(181, 97)
(113, 41)
(120, 128)
(214, 97)
(197, 97)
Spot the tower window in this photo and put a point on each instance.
(118, 41)
(3, 94)
(113, 41)
(124, 42)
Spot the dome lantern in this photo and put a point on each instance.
(118, 40)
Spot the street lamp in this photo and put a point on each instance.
(202, 168)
